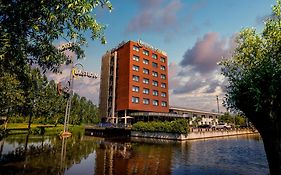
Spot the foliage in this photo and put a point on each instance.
(177, 126)
(11, 95)
(28, 30)
(228, 118)
(43, 103)
(254, 75)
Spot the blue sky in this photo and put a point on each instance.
(195, 34)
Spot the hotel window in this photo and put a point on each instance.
(163, 103)
(135, 89)
(135, 48)
(145, 71)
(136, 58)
(145, 101)
(163, 85)
(154, 56)
(163, 76)
(135, 99)
(154, 64)
(145, 61)
(162, 60)
(145, 91)
(136, 78)
(145, 52)
(162, 68)
(155, 74)
(163, 94)
(155, 83)
(155, 102)
(136, 68)
(145, 81)
(155, 93)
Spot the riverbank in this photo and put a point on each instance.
(39, 129)
(198, 134)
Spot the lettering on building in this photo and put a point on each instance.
(81, 73)
(140, 43)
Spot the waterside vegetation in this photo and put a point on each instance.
(254, 76)
(176, 126)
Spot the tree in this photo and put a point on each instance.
(254, 76)
(28, 30)
(28, 33)
(226, 118)
(11, 95)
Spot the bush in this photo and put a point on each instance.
(178, 126)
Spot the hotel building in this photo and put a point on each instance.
(134, 81)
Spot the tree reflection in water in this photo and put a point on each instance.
(42, 155)
(52, 155)
(79, 154)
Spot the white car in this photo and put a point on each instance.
(222, 126)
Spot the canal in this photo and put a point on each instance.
(85, 155)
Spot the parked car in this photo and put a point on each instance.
(222, 126)
(205, 126)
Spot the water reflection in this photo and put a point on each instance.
(229, 155)
(133, 158)
(89, 155)
(63, 155)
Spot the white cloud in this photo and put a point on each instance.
(188, 88)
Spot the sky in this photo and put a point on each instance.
(196, 34)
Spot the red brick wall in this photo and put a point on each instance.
(125, 80)
(122, 81)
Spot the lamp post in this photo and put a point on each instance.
(65, 132)
(218, 103)
(73, 73)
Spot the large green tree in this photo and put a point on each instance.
(254, 75)
(28, 30)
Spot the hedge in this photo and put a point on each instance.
(177, 126)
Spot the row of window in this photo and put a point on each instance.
(146, 61)
(146, 101)
(146, 91)
(146, 71)
(146, 52)
(146, 81)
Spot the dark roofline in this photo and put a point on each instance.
(184, 109)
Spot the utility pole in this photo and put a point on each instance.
(218, 104)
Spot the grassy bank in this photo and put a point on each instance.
(48, 129)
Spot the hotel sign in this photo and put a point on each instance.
(82, 73)
(66, 46)
(140, 43)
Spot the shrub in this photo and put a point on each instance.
(178, 126)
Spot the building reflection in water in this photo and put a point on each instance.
(89, 155)
(133, 158)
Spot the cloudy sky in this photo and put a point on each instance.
(196, 34)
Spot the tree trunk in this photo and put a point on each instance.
(272, 146)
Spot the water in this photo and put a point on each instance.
(87, 155)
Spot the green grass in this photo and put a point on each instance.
(50, 129)
(25, 125)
